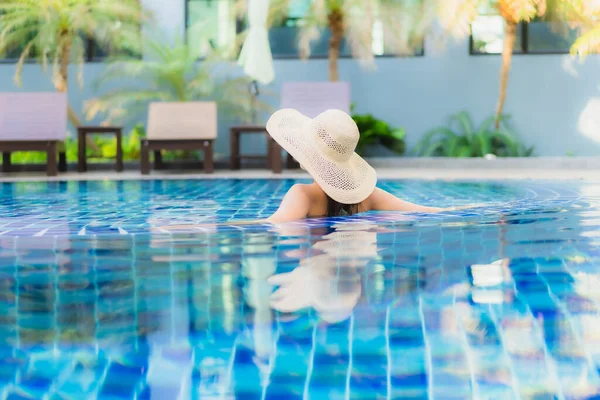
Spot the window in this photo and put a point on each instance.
(536, 37)
(284, 41)
(211, 23)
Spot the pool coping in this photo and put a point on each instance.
(542, 168)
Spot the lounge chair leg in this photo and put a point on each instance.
(119, 166)
(51, 164)
(234, 149)
(158, 161)
(269, 151)
(275, 157)
(145, 161)
(81, 151)
(291, 163)
(6, 165)
(209, 166)
(62, 161)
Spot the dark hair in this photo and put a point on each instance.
(336, 209)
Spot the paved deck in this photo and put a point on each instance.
(544, 168)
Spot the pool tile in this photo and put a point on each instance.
(418, 324)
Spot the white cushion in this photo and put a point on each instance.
(33, 116)
(182, 120)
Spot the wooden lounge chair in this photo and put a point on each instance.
(33, 122)
(180, 126)
(311, 99)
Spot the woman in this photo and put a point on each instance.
(344, 184)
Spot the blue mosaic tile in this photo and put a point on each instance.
(495, 302)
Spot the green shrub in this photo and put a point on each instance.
(460, 139)
(374, 131)
(106, 144)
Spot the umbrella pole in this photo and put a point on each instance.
(253, 88)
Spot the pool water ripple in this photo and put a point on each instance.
(496, 302)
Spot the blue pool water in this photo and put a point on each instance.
(99, 301)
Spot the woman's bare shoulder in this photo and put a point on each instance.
(295, 205)
(299, 189)
(311, 191)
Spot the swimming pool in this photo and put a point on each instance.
(99, 302)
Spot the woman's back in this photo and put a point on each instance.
(310, 201)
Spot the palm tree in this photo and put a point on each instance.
(584, 15)
(456, 17)
(513, 12)
(353, 21)
(54, 32)
(170, 72)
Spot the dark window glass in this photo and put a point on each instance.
(544, 37)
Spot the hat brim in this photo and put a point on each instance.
(290, 129)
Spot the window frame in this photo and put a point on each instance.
(524, 27)
(239, 29)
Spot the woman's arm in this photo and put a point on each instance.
(381, 200)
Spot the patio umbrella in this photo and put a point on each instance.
(256, 55)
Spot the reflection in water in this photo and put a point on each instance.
(500, 304)
(329, 278)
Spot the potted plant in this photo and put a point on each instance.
(375, 132)
(461, 139)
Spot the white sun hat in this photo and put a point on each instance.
(324, 146)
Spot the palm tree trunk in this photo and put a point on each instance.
(510, 36)
(73, 118)
(61, 81)
(337, 28)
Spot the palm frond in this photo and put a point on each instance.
(315, 22)
(404, 24)
(521, 10)
(278, 11)
(587, 43)
(21, 62)
(78, 53)
(57, 25)
(171, 73)
(360, 18)
(455, 16)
